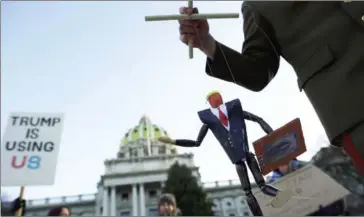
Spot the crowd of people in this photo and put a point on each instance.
(167, 205)
(20, 205)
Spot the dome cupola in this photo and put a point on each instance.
(142, 140)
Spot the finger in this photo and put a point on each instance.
(182, 10)
(189, 10)
(185, 38)
(189, 22)
(185, 10)
(187, 29)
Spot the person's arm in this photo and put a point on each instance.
(258, 62)
(264, 125)
(191, 143)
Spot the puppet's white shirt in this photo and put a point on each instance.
(215, 111)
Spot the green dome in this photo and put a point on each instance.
(144, 130)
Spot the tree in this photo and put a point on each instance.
(191, 198)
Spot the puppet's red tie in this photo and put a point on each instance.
(224, 120)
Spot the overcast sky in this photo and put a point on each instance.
(103, 66)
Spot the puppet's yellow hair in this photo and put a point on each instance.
(212, 93)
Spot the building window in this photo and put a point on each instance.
(124, 197)
(133, 152)
(246, 213)
(162, 150)
(228, 204)
(146, 151)
(173, 151)
(125, 213)
(152, 194)
(153, 212)
(121, 155)
(231, 214)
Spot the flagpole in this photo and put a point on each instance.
(148, 135)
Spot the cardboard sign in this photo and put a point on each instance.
(312, 188)
(280, 147)
(30, 148)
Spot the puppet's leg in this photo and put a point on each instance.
(258, 177)
(245, 183)
(280, 197)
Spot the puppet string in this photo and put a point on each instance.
(223, 53)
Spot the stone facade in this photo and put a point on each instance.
(339, 166)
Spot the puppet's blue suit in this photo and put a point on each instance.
(235, 143)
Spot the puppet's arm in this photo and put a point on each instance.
(191, 143)
(264, 125)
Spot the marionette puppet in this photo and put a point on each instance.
(227, 123)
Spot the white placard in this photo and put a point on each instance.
(30, 147)
(312, 188)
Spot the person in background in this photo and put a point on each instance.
(59, 211)
(285, 169)
(335, 209)
(167, 206)
(13, 207)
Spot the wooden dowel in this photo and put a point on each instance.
(190, 42)
(191, 17)
(21, 196)
(190, 49)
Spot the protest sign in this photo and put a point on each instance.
(30, 148)
(312, 188)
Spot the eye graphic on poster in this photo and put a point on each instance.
(280, 147)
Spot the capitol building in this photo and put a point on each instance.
(133, 181)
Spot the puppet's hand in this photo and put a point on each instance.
(165, 139)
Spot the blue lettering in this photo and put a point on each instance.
(34, 162)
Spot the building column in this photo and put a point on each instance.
(222, 204)
(105, 204)
(113, 201)
(142, 199)
(98, 205)
(163, 184)
(135, 200)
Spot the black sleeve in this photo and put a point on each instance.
(17, 204)
(191, 143)
(258, 63)
(264, 125)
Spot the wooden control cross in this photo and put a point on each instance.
(190, 17)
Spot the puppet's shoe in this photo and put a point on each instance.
(282, 198)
